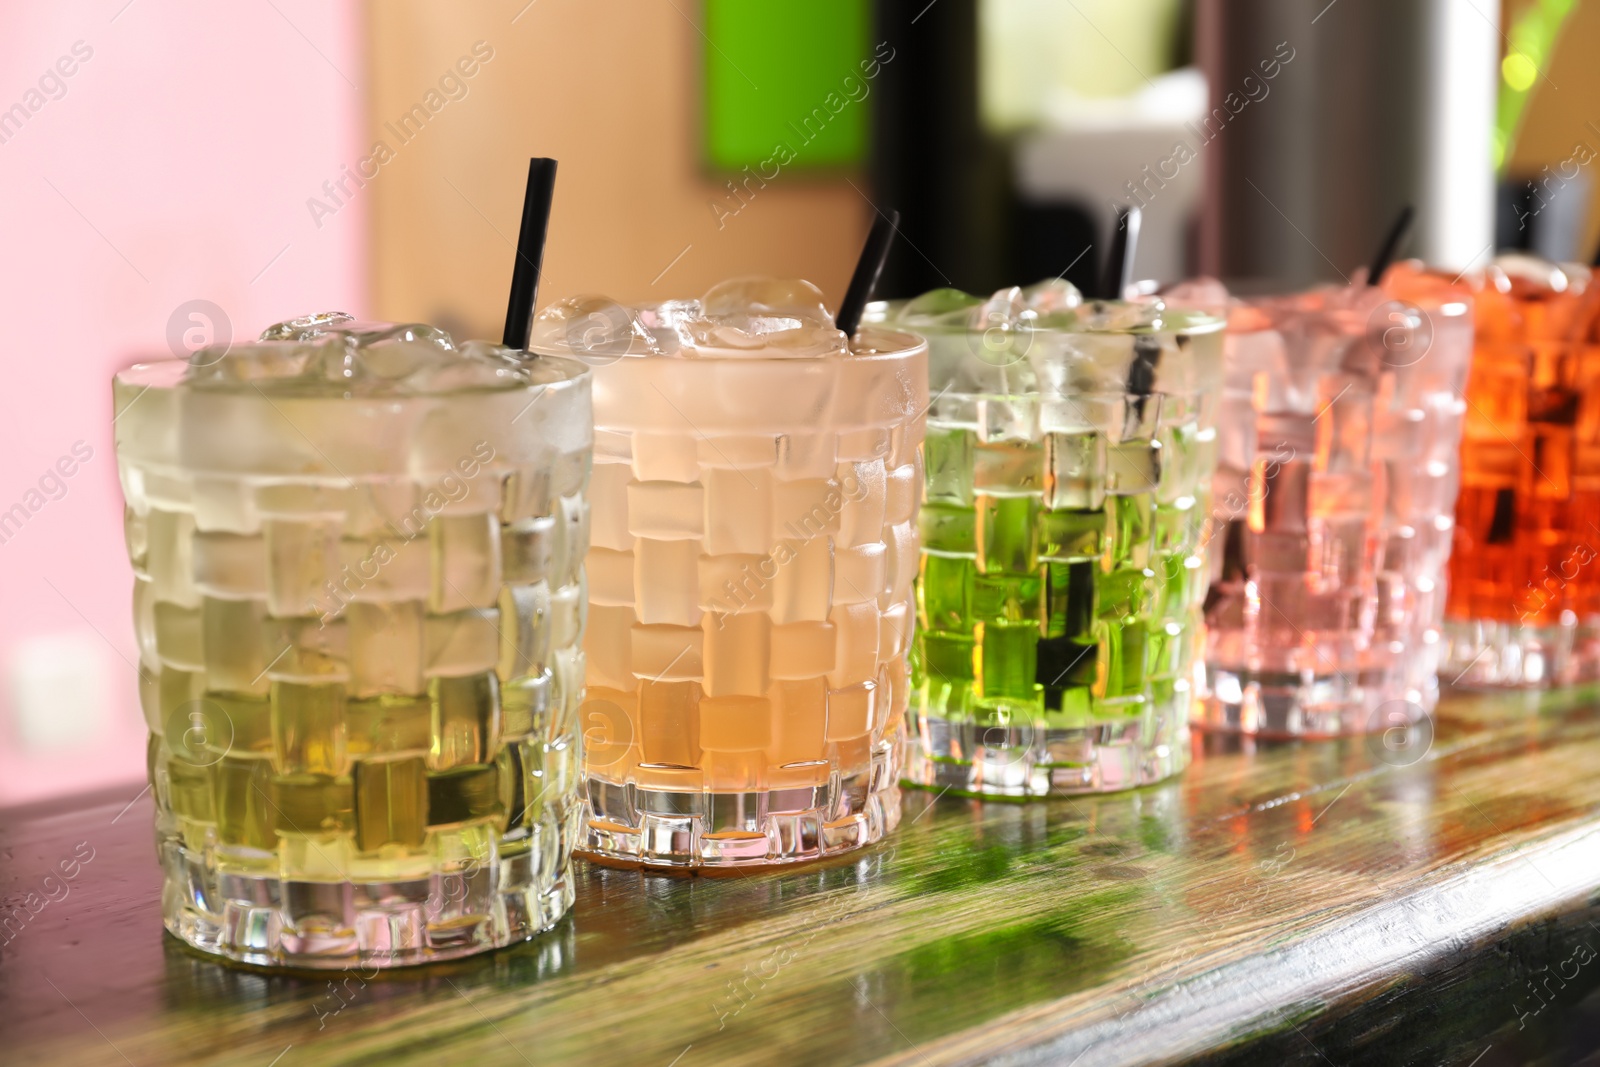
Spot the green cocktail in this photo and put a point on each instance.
(1068, 469)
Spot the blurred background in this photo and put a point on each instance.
(174, 173)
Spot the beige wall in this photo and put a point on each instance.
(610, 88)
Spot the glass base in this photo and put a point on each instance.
(1289, 704)
(263, 919)
(633, 826)
(1023, 761)
(1507, 655)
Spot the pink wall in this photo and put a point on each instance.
(172, 164)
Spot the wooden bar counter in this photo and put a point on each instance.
(1325, 903)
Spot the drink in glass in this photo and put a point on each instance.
(1524, 607)
(1068, 468)
(358, 556)
(754, 545)
(1334, 494)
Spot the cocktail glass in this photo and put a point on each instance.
(1334, 494)
(358, 556)
(1069, 456)
(1524, 606)
(755, 542)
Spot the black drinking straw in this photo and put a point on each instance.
(1119, 263)
(530, 251)
(874, 254)
(1391, 245)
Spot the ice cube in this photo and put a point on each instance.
(937, 307)
(306, 326)
(771, 337)
(668, 323)
(1204, 293)
(330, 347)
(1056, 294)
(423, 369)
(786, 297)
(1006, 307)
(396, 359)
(776, 316)
(592, 326)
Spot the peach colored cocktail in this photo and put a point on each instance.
(754, 546)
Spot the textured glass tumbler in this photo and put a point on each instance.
(1524, 606)
(1069, 457)
(1334, 500)
(358, 556)
(755, 543)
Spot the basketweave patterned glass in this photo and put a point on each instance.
(1069, 457)
(358, 557)
(1334, 500)
(1524, 607)
(755, 542)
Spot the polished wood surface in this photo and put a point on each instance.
(1279, 903)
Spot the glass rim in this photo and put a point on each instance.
(907, 344)
(1198, 321)
(171, 372)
